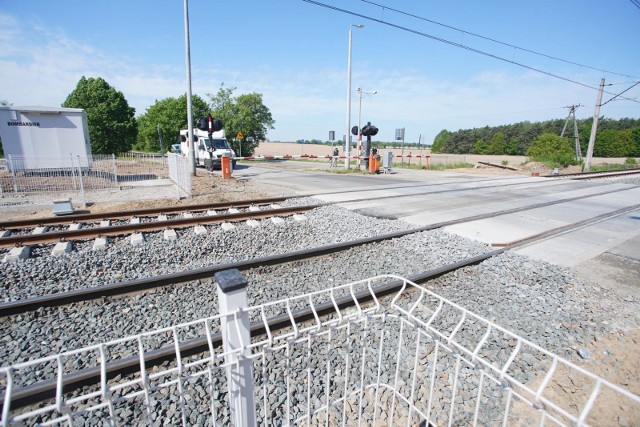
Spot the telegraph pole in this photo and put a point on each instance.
(594, 128)
(572, 113)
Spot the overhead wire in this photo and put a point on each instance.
(498, 41)
(636, 3)
(459, 45)
(627, 89)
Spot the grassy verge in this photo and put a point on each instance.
(443, 166)
(616, 166)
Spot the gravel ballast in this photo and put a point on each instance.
(545, 304)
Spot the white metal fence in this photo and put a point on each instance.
(73, 175)
(412, 359)
(179, 172)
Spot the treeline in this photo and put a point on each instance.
(614, 138)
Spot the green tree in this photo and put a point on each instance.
(553, 150)
(614, 143)
(480, 147)
(440, 141)
(112, 125)
(246, 113)
(498, 145)
(171, 114)
(635, 137)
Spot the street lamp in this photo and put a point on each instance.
(348, 142)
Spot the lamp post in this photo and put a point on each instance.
(348, 138)
(187, 49)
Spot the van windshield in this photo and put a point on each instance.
(217, 144)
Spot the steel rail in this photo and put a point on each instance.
(568, 227)
(583, 175)
(81, 295)
(114, 230)
(40, 391)
(100, 216)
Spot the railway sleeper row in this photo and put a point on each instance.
(101, 242)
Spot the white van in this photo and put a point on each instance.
(208, 151)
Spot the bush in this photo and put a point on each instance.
(552, 150)
(630, 161)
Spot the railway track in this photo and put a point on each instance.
(29, 232)
(158, 225)
(121, 288)
(136, 213)
(596, 174)
(43, 390)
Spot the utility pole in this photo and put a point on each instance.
(594, 128)
(572, 113)
(187, 51)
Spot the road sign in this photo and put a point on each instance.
(240, 135)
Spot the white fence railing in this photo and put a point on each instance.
(22, 176)
(412, 359)
(179, 172)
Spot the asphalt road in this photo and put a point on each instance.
(422, 198)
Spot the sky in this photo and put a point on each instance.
(434, 65)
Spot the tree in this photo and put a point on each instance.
(480, 147)
(498, 145)
(635, 137)
(552, 149)
(614, 143)
(171, 114)
(440, 141)
(246, 113)
(112, 125)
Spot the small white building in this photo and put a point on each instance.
(31, 134)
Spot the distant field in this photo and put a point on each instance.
(294, 149)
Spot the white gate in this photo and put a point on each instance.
(179, 172)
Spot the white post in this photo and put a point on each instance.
(115, 170)
(347, 148)
(594, 129)
(348, 133)
(84, 201)
(12, 167)
(187, 51)
(232, 299)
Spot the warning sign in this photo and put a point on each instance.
(240, 135)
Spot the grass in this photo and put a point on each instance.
(612, 167)
(444, 166)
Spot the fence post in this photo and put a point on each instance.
(13, 174)
(115, 170)
(234, 322)
(84, 201)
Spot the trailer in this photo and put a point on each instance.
(45, 137)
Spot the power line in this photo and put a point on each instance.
(627, 89)
(459, 45)
(637, 2)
